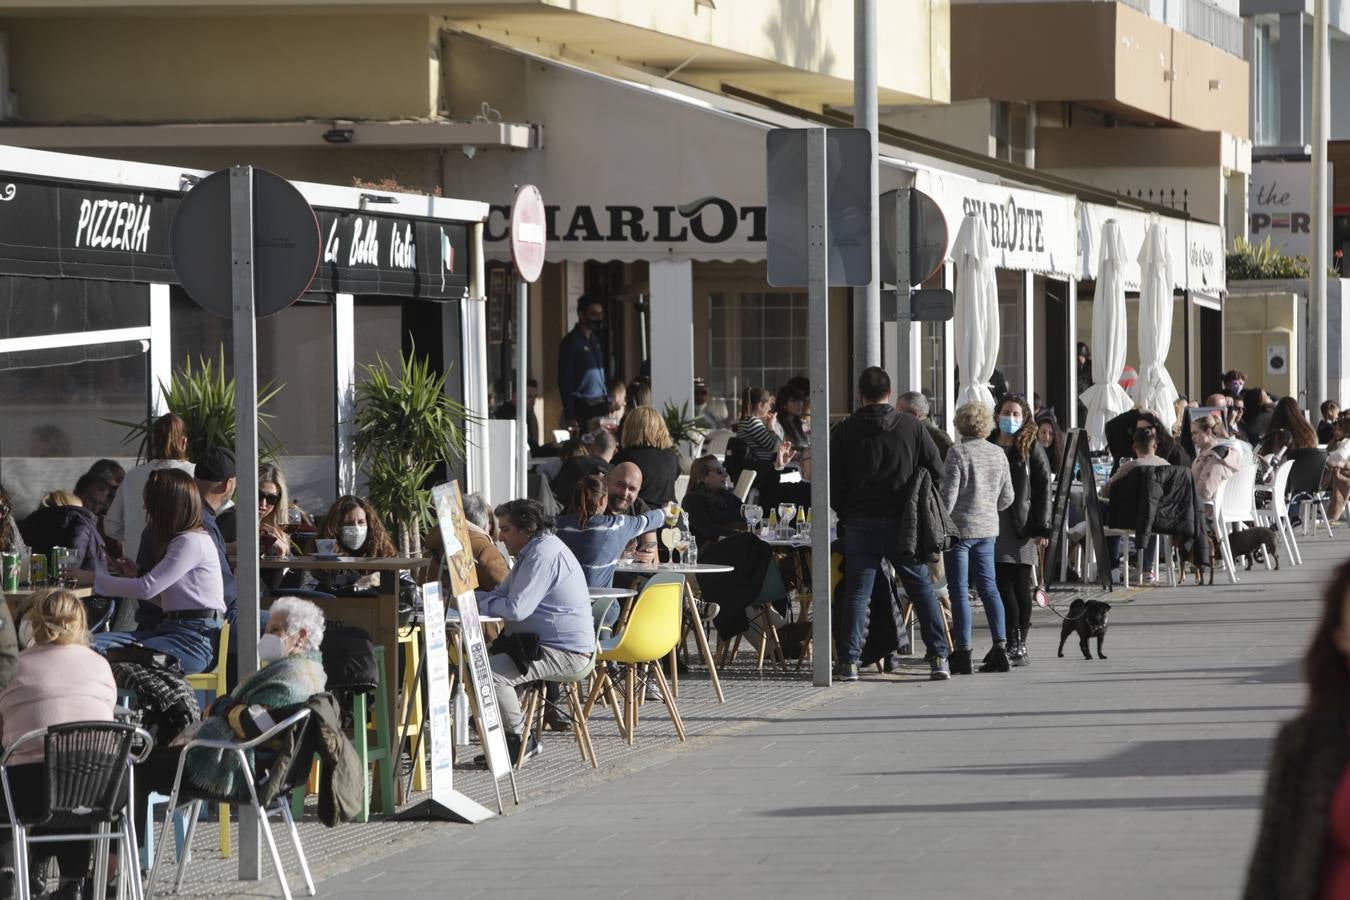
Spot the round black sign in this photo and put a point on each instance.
(286, 243)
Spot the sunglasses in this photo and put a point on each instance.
(269, 499)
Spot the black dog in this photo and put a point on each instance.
(1246, 542)
(1088, 618)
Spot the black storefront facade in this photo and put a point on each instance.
(92, 320)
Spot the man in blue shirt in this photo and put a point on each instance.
(545, 596)
(581, 366)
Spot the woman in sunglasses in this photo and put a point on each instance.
(273, 503)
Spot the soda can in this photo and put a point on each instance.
(37, 569)
(60, 565)
(11, 572)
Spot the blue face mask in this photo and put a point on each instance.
(1009, 424)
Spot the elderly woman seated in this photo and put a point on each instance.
(291, 673)
(59, 679)
(547, 608)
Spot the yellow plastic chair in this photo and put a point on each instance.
(652, 631)
(214, 684)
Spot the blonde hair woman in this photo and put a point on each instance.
(646, 443)
(976, 488)
(59, 680)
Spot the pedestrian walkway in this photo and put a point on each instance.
(1138, 775)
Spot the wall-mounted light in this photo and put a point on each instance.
(376, 199)
(339, 135)
(469, 151)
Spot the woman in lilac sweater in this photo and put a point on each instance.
(185, 577)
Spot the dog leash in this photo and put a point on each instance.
(1069, 618)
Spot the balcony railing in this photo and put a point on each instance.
(1201, 19)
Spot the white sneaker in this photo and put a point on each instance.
(653, 691)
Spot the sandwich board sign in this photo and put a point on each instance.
(473, 650)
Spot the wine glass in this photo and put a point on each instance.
(786, 512)
(681, 546)
(668, 538)
(752, 513)
(294, 518)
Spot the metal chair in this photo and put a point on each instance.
(89, 785)
(296, 773)
(1305, 485)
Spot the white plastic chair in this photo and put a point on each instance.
(1278, 514)
(744, 483)
(1239, 504)
(1221, 533)
(716, 442)
(681, 485)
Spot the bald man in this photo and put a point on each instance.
(623, 482)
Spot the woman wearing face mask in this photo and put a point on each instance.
(291, 673)
(355, 525)
(1216, 460)
(59, 680)
(1024, 527)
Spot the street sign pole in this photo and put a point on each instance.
(246, 460)
(904, 380)
(818, 303)
(867, 298)
(522, 387)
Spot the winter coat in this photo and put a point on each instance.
(65, 526)
(735, 591)
(1161, 500)
(1310, 757)
(1213, 467)
(713, 515)
(660, 470)
(926, 530)
(1032, 497)
(873, 455)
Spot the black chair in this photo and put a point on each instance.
(90, 783)
(277, 786)
(1305, 484)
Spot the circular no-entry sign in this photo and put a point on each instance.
(286, 243)
(528, 232)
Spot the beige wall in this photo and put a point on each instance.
(1252, 321)
(91, 70)
(1102, 54)
(967, 124)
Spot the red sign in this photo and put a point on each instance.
(528, 232)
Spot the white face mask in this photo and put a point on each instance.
(270, 648)
(353, 537)
(25, 634)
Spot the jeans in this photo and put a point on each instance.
(192, 641)
(505, 678)
(866, 542)
(973, 560)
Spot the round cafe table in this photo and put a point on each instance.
(612, 593)
(696, 621)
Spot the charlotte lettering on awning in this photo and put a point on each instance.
(62, 229)
(1029, 230)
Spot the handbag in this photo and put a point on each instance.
(144, 656)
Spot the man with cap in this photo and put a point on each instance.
(216, 483)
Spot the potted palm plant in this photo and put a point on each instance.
(406, 426)
(204, 398)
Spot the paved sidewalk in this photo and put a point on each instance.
(1139, 775)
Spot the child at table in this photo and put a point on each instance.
(356, 526)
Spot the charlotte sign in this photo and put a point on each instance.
(708, 221)
(1281, 207)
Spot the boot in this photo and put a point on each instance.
(1015, 648)
(959, 661)
(998, 659)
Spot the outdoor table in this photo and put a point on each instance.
(612, 593)
(376, 615)
(20, 597)
(700, 636)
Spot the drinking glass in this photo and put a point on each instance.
(752, 514)
(668, 537)
(681, 547)
(786, 512)
(294, 518)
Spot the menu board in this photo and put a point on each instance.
(454, 529)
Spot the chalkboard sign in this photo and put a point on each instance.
(1077, 466)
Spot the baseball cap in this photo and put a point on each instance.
(216, 464)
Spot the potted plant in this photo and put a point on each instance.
(684, 428)
(204, 398)
(406, 426)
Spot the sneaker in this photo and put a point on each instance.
(653, 691)
(556, 719)
(848, 671)
(938, 670)
(708, 610)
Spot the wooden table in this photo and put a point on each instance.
(696, 620)
(377, 615)
(17, 599)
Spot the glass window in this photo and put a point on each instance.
(1012, 346)
(34, 306)
(759, 339)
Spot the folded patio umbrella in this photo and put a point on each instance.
(1154, 389)
(976, 326)
(1106, 398)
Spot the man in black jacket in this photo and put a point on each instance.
(873, 455)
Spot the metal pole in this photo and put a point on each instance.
(245, 461)
(522, 388)
(1317, 270)
(818, 302)
(867, 299)
(904, 346)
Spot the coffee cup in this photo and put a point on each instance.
(326, 546)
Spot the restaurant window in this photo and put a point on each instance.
(757, 339)
(295, 352)
(1012, 348)
(41, 306)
